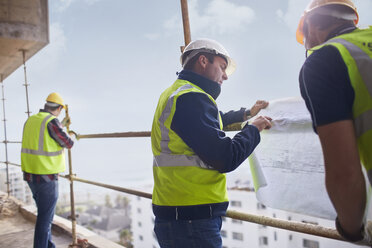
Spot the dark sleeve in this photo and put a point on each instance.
(56, 132)
(232, 117)
(326, 88)
(195, 121)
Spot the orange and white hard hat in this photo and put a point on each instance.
(316, 4)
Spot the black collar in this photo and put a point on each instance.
(209, 86)
(343, 29)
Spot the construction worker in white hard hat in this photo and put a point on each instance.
(336, 84)
(192, 152)
(42, 158)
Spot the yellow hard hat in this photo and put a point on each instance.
(55, 98)
(315, 4)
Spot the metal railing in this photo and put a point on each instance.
(262, 220)
(300, 227)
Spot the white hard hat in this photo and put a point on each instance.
(207, 46)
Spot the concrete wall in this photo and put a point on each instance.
(23, 26)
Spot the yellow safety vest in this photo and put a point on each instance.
(356, 51)
(181, 178)
(41, 154)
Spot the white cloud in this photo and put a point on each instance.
(62, 5)
(293, 14)
(50, 55)
(219, 17)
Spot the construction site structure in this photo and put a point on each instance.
(23, 32)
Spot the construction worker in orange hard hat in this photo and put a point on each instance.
(42, 158)
(192, 152)
(336, 84)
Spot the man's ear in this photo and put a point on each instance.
(203, 61)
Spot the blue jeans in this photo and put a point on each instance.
(45, 195)
(204, 233)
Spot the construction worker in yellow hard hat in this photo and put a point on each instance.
(42, 158)
(336, 84)
(55, 98)
(192, 152)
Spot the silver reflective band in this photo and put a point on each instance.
(43, 153)
(164, 116)
(362, 60)
(40, 150)
(166, 158)
(363, 123)
(170, 160)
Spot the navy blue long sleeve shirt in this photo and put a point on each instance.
(196, 122)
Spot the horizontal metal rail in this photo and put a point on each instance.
(3, 162)
(114, 135)
(108, 186)
(11, 142)
(287, 225)
(232, 127)
(261, 220)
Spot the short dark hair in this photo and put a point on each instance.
(51, 107)
(190, 65)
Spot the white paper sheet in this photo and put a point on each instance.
(287, 166)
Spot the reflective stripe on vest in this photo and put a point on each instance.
(363, 122)
(166, 158)
(355, 50)
(40, 150)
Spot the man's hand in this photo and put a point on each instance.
(367, 235)
(260, 104)
(364, 237)
(262, 122)
(72, 133)
(65, 121)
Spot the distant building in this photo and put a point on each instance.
(236, 233)
(18, 188)
(106, 221)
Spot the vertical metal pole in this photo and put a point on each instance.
(26, 84)
(5, 139)
(72, 198)
(186, 23)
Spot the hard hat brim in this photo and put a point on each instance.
(299, 31)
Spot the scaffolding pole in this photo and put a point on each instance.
(26, 84)
(5, 139)
(186, 23)
(72, 198)
(114, 135)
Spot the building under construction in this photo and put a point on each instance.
(24, 31)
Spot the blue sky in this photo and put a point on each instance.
(111, 59)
